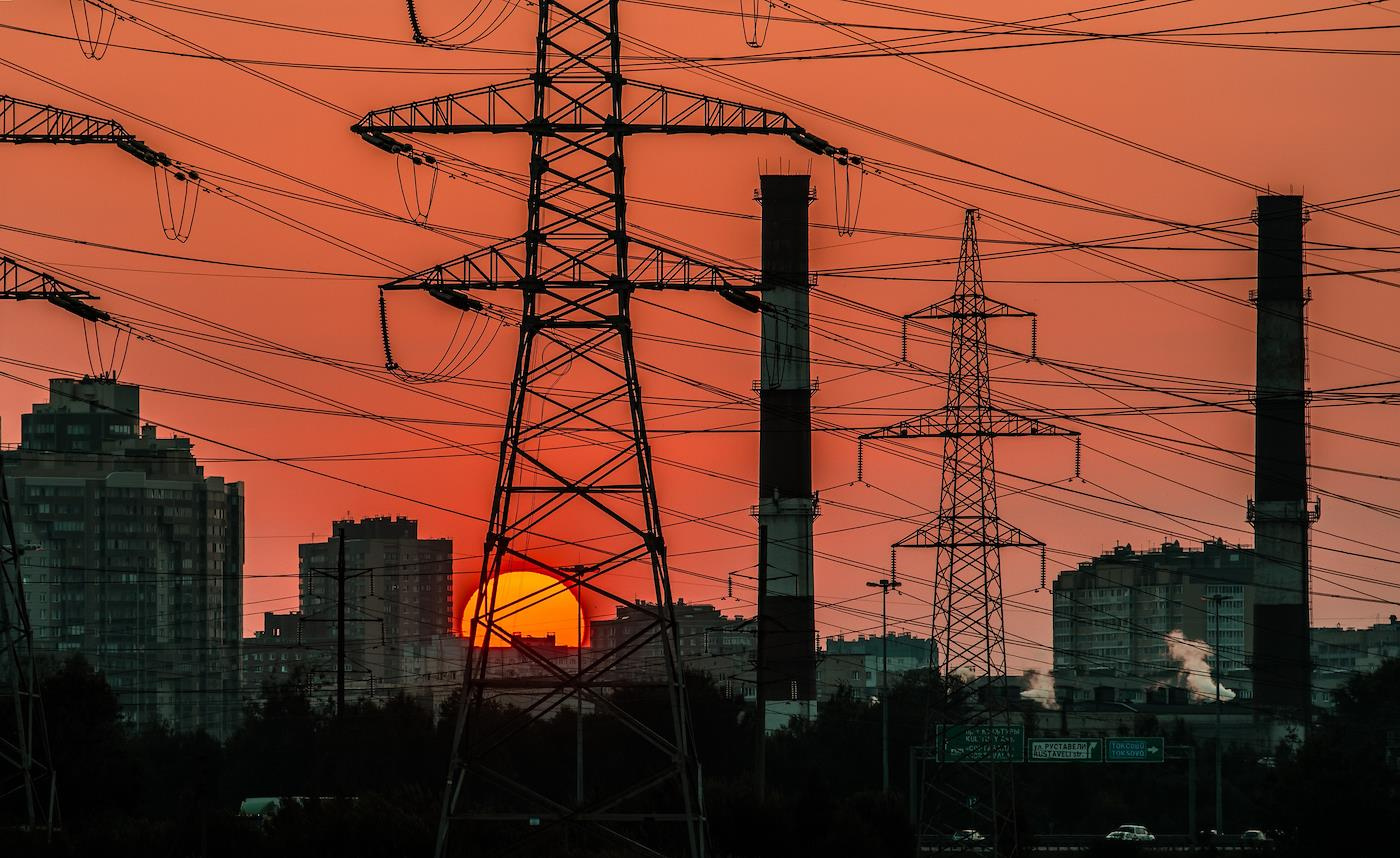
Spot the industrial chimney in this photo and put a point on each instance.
(1279, 511)
(786, 505)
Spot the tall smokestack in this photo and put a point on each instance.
(787, 666)
(1279, 511)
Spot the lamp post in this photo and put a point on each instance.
(1219, 759)
(885, 585)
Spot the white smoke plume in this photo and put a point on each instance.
(1040, 689)
(1195, 673)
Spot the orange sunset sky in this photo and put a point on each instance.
(1014, 120)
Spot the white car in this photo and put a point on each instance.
(968, 835)
(1132, 833)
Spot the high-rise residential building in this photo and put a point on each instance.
(398, 603)
(132, 557)
(1114, 615)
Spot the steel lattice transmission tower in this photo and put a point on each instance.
(584, 513)
(26, 776)
(967, 538)
(28, 787)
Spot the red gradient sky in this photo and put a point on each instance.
(1313, 123)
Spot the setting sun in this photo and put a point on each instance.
(531, 604)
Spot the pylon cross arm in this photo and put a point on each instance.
(646, 109)
(998, 534)
(650, 266)
(19, 282)
(958, 307)
(959, 423)
(30, 122)
(497, 107)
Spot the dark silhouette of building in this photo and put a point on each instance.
(132, 557)
(1112, 617)
(398, 596)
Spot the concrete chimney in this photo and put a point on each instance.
(787, 666)
(1279, 511)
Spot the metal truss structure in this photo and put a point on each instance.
(30, 122)
(177, 185)
(28, 788)
(967, 538)
(585, 514)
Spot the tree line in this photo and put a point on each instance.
(373, 777)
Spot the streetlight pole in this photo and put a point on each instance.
(885, 585)
(1219, 758)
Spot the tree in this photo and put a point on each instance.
(1336, 793)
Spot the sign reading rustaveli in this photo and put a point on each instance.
(1064, 750)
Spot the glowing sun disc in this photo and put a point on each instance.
(530, 604)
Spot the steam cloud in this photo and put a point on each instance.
(1195, 673)
(1040, 689)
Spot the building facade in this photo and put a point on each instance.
(1339, 654)
(398, 604)
(702, 630)
(132, 557)
(1113, 618)
(860, 662)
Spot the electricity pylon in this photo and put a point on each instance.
(26, 775)
(965, 788)
(586, 515)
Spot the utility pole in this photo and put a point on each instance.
(340, 629)
(578, 268)
(760, 675)
(25, 760)
(885, 585)
(1219, 750)
(342, 576)
(1188, 754)
(967, 537)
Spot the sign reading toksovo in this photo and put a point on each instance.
(1141, 749)
(1064, 750)
(987, 743)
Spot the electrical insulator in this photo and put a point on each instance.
(1035, 336)
(903, 340)
(729, 586)
(1078, 455)
(1042, 567)
(860, 460)
(894, 574)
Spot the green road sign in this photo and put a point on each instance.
(1064, 750)
(1141, 749)
(962, 743)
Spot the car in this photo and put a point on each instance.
(1254, 837)
(968, 835)
(1131, 833)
